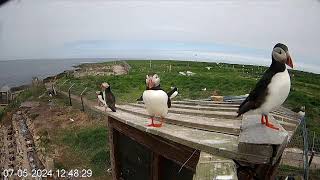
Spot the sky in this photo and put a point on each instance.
(241, 31)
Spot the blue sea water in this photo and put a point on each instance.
(19, 72)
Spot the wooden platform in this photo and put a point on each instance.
(209, 126)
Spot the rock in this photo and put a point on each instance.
(217, 98)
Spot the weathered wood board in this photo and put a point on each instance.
(220, 144)
(226, 126)
(212, 131)
(256, 138)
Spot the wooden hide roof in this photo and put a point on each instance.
(209, 126)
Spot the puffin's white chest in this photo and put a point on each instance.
(156, 102)
(278, 91)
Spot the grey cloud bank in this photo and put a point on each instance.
(64, 29)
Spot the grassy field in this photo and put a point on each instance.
(226, 79)
(84, 144)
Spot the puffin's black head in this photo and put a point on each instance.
(152, 80)
(281, 54)
(105, 86)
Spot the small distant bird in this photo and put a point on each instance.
(156, 100)
(300, 111)
(204, 89)
(106, 97)
(272, 89)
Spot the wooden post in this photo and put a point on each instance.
(7, 97)
(155, 166)
(69, 92)
(82, 99)
(113, 146)
(305, 148)
(313, 151)
(257, 139)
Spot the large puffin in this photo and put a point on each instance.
(156, 100)
(272, 89)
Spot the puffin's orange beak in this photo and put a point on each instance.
(289, 60)
(150, 83)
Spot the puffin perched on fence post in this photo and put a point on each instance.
(272, 89)
(156, 100)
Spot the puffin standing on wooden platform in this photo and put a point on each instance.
(272, 89)
(106, 97)
(156, 100)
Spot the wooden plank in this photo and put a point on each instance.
(284, 114)
(211, 142)
(210, 102)
(283, 118)
(113, 153)
(197, 107)
(182, 105)
(205, 104)
(225, 126)
(171, 150)
(155, 166)
(257, 138)
(287, 126)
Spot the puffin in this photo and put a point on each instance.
(156, 100)
(272, 89)
(107, 97)
(300, 111)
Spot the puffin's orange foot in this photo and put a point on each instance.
(151, 125)
(262, 120)
(272, 126)
(158, 125)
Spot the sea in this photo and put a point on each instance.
(15, 73)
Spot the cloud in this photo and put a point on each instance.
(47, 29)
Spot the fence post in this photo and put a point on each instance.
(82, 99)
(312, 150)
(69, 91)
(305, 149)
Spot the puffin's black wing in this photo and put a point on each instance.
(140, 98)
(172, 91)
(111, 101)
(257, 95)
(169, 95)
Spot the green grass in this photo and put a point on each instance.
(227, 79)
(2, 111)
(28, 94)
(294, 171)
(89, 144)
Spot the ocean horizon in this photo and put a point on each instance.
(14, 73)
